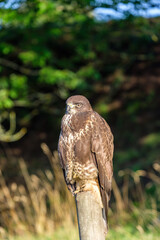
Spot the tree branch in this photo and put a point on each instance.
(16, 67)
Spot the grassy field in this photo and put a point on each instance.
(125, 233)
(39, 209)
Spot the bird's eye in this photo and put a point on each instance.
(78, 105)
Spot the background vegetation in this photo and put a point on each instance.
(50, 50)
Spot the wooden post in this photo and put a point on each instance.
(90, 220)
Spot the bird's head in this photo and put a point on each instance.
(77, 103)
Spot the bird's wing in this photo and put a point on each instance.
(62, 158)
(102, 148)
(61, 151)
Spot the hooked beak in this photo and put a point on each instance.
(69, 107)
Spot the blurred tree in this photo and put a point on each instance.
(51, 48)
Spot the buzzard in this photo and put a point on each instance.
(85, 150)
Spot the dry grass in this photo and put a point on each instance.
(40, 205)
(44, 203)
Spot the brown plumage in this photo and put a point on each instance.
(86, 149)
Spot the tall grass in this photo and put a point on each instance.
(39, 205)
(43, 202)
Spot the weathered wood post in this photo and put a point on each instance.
(90, 219)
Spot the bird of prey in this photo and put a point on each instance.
(85, 150)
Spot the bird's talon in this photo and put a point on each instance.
(77, 191)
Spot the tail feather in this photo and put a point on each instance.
(105, 201)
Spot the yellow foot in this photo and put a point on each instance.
(77, 191)
(80, 188)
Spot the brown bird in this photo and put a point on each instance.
(86, 150)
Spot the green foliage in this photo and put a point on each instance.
(11, 89)
(151, 139)
(45, 29)
(6, 102)
(57, 43)
(61, 77)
